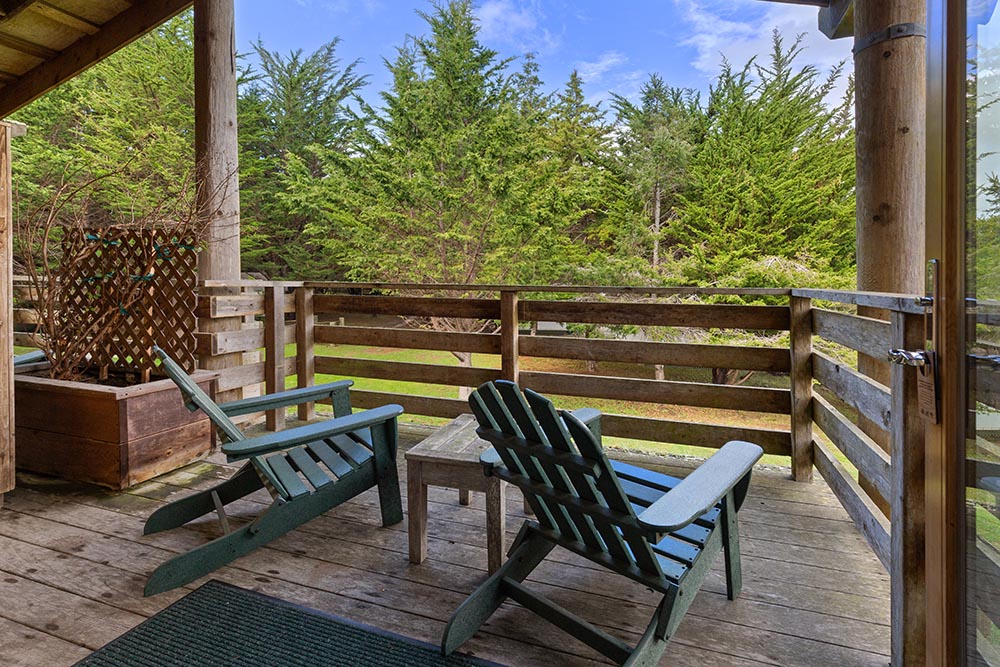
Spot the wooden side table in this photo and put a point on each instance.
(450, 458)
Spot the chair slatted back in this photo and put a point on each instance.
(196, 399)
(562, 469)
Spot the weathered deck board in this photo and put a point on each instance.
(76, 558)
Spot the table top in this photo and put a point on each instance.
(455, 442)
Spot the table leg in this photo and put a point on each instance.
(464, 496)
(416, 496)
(496, 523)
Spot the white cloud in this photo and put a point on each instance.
(518, 23)
(741, 29)
(595, 70)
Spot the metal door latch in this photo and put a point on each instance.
(919, 358)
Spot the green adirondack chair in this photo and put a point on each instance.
(308, 470)
(658, 530)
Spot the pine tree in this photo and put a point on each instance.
(772, 184)
(293, 112)
(657, 139)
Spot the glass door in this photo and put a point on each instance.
(982, 336)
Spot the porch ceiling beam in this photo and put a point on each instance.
(836, 17)
(9, 8)
(69, 19)
(131, 24)
(837, 20)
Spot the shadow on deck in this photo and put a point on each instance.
(75, 561)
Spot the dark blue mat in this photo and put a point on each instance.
(219, 625)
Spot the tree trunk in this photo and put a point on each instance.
(656, 226)
(465, 361)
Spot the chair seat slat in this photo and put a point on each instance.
(305, 463)
(353, 453)
(286, 475)
(677, 550)
(331, 459)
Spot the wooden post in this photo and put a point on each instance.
(907, 502)
(7, 326)
(801, 385)
(216, 153)
(274, 350)
(305, 352)
(890, 113)
(509, 325)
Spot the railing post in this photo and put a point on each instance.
(274, 349)
(801, 387)
(509, 325)
(305, 353)
(906, 440)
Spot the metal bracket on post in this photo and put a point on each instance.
(892, 32)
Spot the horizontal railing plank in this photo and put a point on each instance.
(865, 395)
(405, 372)
(713, 436)
(656, 314)
(242, 305)
(555, 289)
(871, 460)
(336, 305)
(247, 375)
(860, 507)
(410, 339)
(228, 342)
(428, 406)
(695, 394)
(774, 360)
(904, 303)
(862, 334)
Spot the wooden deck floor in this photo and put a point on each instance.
(73, 562)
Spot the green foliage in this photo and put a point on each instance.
(657, 140)
(294, 108)
(452, 183)
(127, 122)
(774, 176)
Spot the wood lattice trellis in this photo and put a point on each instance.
(149, 278)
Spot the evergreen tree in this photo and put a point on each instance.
(451, 185)
(290, 112)
(657, 139)
(773, 178)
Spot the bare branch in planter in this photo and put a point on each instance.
(108, 282)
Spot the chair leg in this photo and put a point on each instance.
(278, 519)
(731, 547)
(486, 599)
(179, 512)
(649, 650)
(384, 447)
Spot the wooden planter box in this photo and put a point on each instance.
(112, 436)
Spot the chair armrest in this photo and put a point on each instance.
(702, 489)
(242, 449)
(285, 398)
(591, 418)
(490, 459)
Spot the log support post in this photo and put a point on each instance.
(907, 562)
(890, 112)
(801, 388)
(305, 351)
(217, 165)
(6, 323)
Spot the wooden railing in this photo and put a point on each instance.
(315, 305)
(833, 416)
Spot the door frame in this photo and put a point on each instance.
(945, 448)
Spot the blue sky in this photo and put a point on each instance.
(614, 44)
